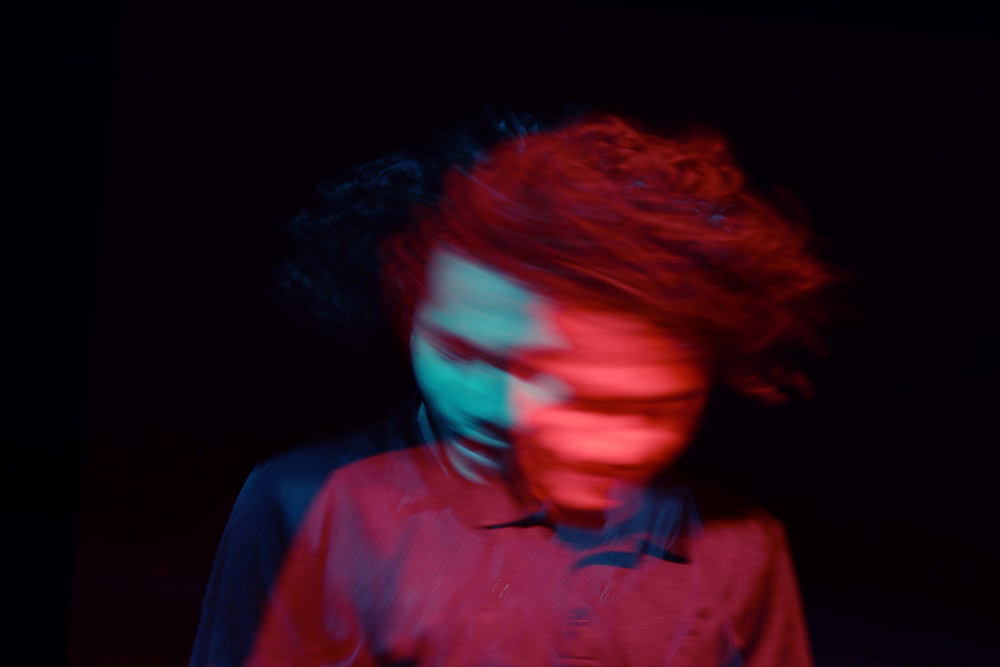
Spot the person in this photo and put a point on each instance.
(332, 284)
(568, 302)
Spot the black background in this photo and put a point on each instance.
(164, 145)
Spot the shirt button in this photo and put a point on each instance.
(579, 617)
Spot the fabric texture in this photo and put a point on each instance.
(401, 561)
(264, 519)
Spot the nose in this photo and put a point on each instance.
(530, 394)
(505, 400)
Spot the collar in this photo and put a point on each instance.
(660, 523)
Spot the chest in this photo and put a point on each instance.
(447, 595)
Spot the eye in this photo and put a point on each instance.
(455, 349)
(454, 352)
(541, 388)
(522, 371)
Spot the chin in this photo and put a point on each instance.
(577, 503)
(579, 495)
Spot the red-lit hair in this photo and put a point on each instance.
(602, 215)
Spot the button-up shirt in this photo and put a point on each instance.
(401, 560)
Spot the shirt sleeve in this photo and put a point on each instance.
(310, 620)
(769, 623)
(246, 564)
(264, 520)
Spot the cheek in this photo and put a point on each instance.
(454, 389)
(576, 437)
(435, 376)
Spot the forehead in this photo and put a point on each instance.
(588, 349)
(482, 305)
(614, 351)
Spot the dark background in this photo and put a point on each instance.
(164, 146)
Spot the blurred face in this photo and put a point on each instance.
(590, 404)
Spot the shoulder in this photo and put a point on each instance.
(316, 460)
(735, 532)
(291, 480)
(386, 478)
(368, 506)
(723, 509)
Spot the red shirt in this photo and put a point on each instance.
(402, 561)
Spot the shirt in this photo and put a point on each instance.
(401, 561)
(265, 518)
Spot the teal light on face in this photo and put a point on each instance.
(466, 334)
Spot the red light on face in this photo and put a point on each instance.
(633, 401)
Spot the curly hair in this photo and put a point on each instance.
(605, 215)
(332, 281)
